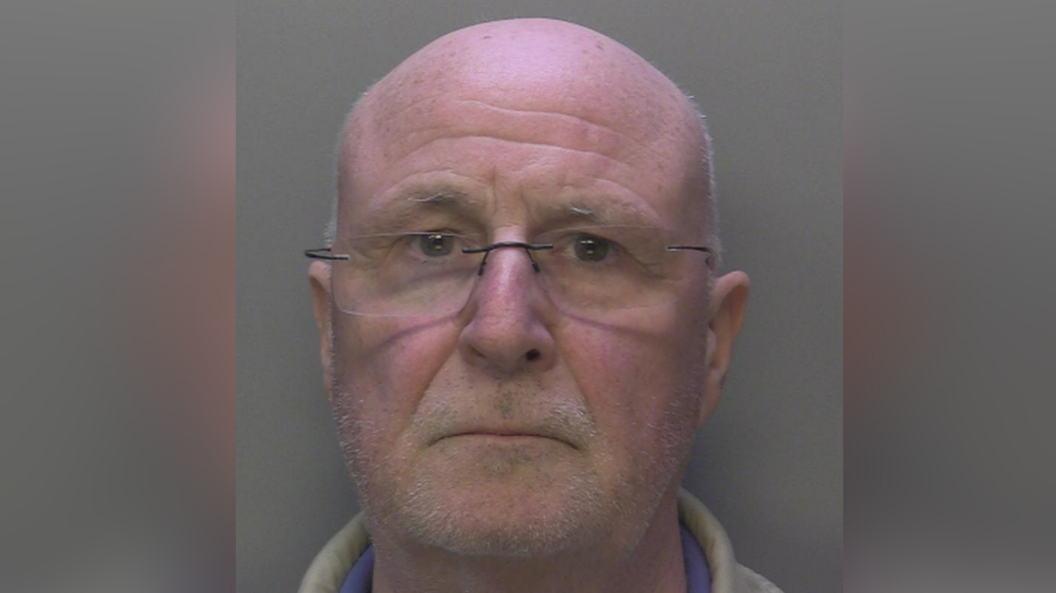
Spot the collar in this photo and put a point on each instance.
(330, 568)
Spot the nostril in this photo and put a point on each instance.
(533, 354)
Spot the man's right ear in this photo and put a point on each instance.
(319, 277)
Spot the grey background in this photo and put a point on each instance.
(768, 74)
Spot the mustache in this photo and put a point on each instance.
(508, 412)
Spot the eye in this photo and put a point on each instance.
(591, 248)
(436, 244)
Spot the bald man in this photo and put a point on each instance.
(522, 323)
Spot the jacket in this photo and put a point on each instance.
(331, 566)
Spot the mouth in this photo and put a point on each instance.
(500, 435)
(504, 436)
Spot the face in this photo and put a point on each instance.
(515, 426)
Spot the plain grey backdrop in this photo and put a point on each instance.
(768, 73)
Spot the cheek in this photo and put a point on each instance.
(381, 369)
(629, 377)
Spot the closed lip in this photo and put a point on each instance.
(504, 432)
(490, 433)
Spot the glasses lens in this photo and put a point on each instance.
(404, 274)
(614, 267)
(587, 269)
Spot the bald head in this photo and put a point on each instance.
(574, 83)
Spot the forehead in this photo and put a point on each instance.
(575, 132)
(577, 69)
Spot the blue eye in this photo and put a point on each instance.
(436, 244)
(591, 248)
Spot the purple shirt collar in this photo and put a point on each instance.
(698, 576)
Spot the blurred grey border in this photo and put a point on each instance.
(101, 488)
(768, 74)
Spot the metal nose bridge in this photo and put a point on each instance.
(527, 247)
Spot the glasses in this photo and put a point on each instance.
(588, 269)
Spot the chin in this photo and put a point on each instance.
(519, 514)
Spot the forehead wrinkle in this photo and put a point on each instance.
(617, 162)
(580, 119)
(382, 126)
(455, 119)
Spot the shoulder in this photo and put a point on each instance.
(727, 576)
(332, 564)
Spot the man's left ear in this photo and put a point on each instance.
(729, 301)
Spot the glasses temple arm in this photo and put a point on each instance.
(324, 253)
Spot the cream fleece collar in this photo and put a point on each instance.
(329, 569)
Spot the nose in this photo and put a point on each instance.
(508, 318)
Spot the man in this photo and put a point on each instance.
(521, 324)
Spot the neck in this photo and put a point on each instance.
(654, 565)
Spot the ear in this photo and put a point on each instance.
(729, 301)
(319, 277)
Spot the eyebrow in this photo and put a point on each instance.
(397, 212)
(444, 198)
(581, 211)
(608, 212)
